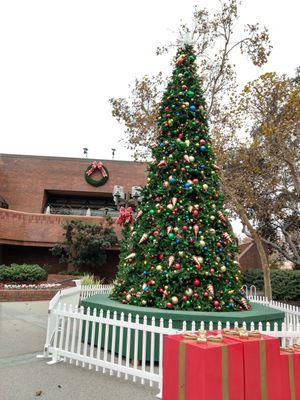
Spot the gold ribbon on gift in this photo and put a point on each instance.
(291, 350)
(242, 333)
(202, 337)
(246, 334)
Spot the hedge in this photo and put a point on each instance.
(22, 273)
(285, 283)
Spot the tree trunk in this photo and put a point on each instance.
(259, 244)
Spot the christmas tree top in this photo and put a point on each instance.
(180, 252)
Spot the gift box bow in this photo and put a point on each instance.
(242, 333)
(202, 337)
(290, 349)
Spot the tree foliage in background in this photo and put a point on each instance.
(217, 40)
(263, 171)
(85, 244)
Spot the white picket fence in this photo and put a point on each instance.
(109, 342)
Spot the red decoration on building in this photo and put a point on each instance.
(125, 216)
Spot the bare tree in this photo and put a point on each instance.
(217, 40)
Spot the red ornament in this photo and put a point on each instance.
(155, 233)
(180, 136)
(212, 270)
(182, 169)
(169, 305)
(196, 295)
(184, 297)
(196, 213)
(195, 180)
(184, 228)
(216, 303)
(167, 108)
(205, 294)
(198, 266)
(202, 141)
(177, 266)
(196, 282)
(161, 256)
(219, 244)
(219, 276)
(183, 87)
(180, 60)
(161, 290)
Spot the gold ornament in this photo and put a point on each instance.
(171, 260)
(196, 229)
(189, 292)
(128, 297)
(223, 268)
(169, 229)
(210, 289)
(174, 300)
(131, 256)
(158, 267)
(205, 186)
(174, 200)
(144, 238)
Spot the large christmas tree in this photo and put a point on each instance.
(180, 252)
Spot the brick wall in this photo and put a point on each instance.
(37, 229)
(24, 179)
(27, 294)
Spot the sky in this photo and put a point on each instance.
(62, 60)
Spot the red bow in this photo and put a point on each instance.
(125, 216)
(97, 165)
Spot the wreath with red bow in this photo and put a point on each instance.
(96, 165)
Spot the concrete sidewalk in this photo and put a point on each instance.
(23, 376)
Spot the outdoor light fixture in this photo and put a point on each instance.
(85, 151)
(128, 199)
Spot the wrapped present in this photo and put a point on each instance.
(290, 372)
(261, 363)
(201, 366)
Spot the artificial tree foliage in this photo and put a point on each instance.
(180, 252)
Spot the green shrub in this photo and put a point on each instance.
(22, 273)
(90, 280)
(285, 283)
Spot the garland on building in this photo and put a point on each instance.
(96, 166)
(180, 252)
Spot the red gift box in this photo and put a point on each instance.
(290, 374)
(261, 365)
(201, 371)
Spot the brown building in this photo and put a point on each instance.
(39, 193)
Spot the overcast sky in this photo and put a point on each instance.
(62, 60)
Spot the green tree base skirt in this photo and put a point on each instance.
(258, 313)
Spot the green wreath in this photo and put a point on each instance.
(95, 182)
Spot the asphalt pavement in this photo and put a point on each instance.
(23, 376)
